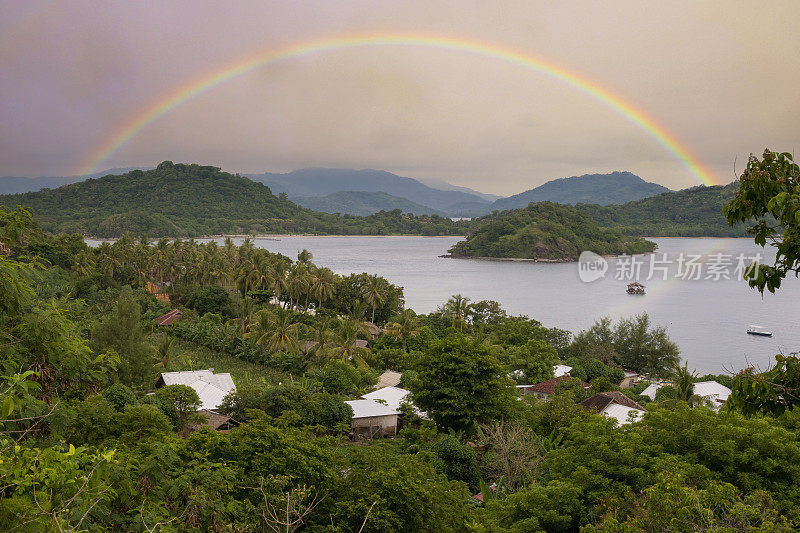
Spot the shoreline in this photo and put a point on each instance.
(277, 236)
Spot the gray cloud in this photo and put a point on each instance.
(722, 77)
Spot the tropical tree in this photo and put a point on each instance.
(304, 257)
(323, 285)
(165, 351)
(406, 326)
(683, 381)
(275, 332)
(456, 308)
(769, 193)
(374, 293)
(346, 345)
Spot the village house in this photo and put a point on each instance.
(215, 421)
(169, 318)
(615, 405)
(389, 378)
(374, 331)
(211, 388)
(545, 389)
(714, 394)
(630, 380)
(373, 419)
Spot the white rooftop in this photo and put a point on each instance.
(651, 389)
(715, 393)
(210, 387)
(393, 396)
(370, 408)
(561, 370)
(622, 413)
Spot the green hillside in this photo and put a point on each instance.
(545, 231)
(178, 200)
(695, 212)
(363, 203)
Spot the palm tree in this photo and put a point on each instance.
(165, 351)
(277, 278)
(304, 257)
(347, 348)
(357, 310)
(683, 381)
(84, 264)
(456, 308)
(324, 285)
(374, 293)
(275, 332)
(406, 326)
(323, 335)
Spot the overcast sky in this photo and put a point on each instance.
(722, 77)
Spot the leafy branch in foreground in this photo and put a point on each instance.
(769, 192)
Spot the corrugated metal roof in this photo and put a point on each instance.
(621, 412)
(651, 390)
(370, 408)
(393, 396)
(210, 387)
(560, 370)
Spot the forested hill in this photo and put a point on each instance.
(695, 212)
(363, 203)
(179, 200)
(545, 231)
(603, 189)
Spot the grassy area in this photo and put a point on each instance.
(191, 356)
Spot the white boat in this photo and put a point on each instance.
(758, 330)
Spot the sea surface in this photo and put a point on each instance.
(707, 317)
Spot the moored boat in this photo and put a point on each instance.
(758, 330)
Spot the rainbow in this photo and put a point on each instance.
(261, 58)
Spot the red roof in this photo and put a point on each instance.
(549, 386)
(169, 318)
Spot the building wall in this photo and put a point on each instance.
(385, 426)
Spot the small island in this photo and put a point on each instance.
(545, 232)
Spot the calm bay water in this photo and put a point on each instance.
(707, 318)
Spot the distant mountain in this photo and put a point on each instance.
(324, 181)
(444, 186)
(602, 189)
(694, 212)
(14, 185)
(178, 200)
(363, 203)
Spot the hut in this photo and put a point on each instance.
(373, 419)
(374, 331)
(635, 288)
(215, 421)
(169, 318)
(390, 378)
(614, 405)
(211, 388)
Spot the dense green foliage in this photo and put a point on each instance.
(695, 212)
(545, 231)
(87, 443)
(363, 203)
(177, 200)
(769, 193)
